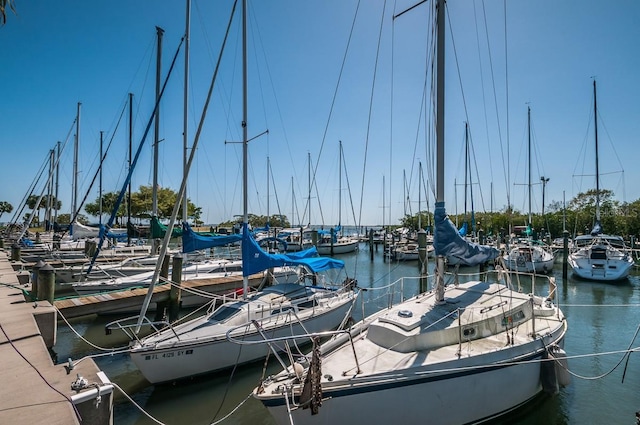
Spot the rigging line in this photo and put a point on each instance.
(29, 191)
(83, 338)
(136, 404)
(279, 110)
(495, 99)
(391, 97)
(366, 143)
(475, 162)
(484, 100)
(135, 160)
(506, 73)
(335, 92)
(455, 55)
(97, 173)
(275, 193)
(10, 341)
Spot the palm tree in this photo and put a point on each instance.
(4, 4)
(5, 207)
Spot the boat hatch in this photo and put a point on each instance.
(224, 313)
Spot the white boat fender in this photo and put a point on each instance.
(548, 373)
(562, 366)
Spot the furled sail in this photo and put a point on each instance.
(192, 241)
(448, 242)
(255, 260)
(158, 229)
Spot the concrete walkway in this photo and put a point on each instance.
(32, 389)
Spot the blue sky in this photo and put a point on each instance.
(56, 54)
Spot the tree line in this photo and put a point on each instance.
(618, 218)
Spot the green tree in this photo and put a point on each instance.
(5, 207)
(141, 203)
(66, 219)
(108, 203)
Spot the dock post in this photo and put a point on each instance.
(90, 248)
(565, 253)
(175, 294)
(333, 234)
(46, 283)
(371, 244)
(1, 242)
(422, 259)
(15, 252)
(164, 275)
(314, 238)
(34, 278)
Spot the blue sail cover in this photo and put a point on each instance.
(448, 242)
(255, 260)
(191, 241)
(463, 230)
(597, 229)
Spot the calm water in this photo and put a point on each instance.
(603, 318)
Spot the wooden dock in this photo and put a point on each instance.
(34, 390)
(130, 301)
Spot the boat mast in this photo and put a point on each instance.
(156, 141)
(185, 210)
(245, 180)
(129, 164)
(309, 186)
(529, 153)
(466, 169)
(419, 195)
(100, 180)
(268, 180)
(57, 184)
(340, 188)
(74, 202)
(595, 126)
(440, 34)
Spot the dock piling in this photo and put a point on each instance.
(175, 294)
(46, 283)
(34, 278)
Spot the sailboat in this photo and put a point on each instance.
(460, 353)
(599, 256)
(201, 345)
(333, 241)
(529, 255)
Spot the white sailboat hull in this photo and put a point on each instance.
(600, 269)
(529, 259)
(181, 359)
(422, 394)
(454, 383)
(340, 247)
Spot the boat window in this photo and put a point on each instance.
(281, 310)
(469, 332)
(308, 304)
(223, 313)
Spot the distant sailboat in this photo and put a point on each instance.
(529, 255)
(333, 241)
(599, 256)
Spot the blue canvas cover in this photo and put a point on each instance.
(255, 260)
(192, 241)
(463, 230)
(448, 242)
